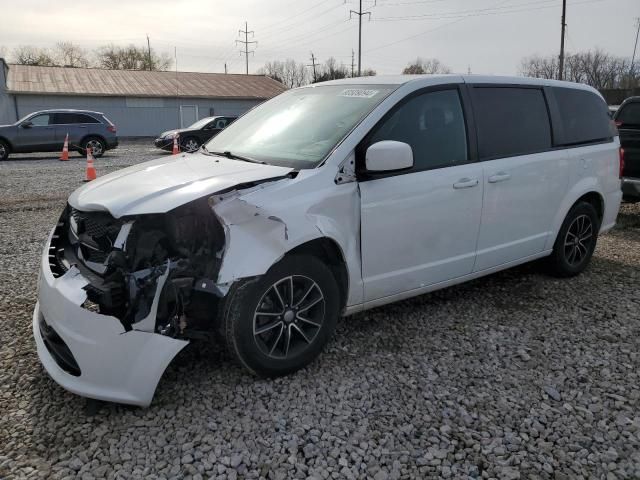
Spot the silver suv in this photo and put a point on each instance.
(46, 130)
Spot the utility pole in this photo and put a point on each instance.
(564, 25)
(353, 60)
(246, 43)
(360, 13)
(225, 68)
(313, 64)
(635, 47)
(149, 50)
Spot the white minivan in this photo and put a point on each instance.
(324, 201)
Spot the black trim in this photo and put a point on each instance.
(59, 350)
(360, 151)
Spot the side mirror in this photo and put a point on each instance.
(389, 155)
(26, 124)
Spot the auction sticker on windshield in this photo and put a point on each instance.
(358, 92)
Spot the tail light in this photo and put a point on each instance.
(112, 128)
(618, 123)
(621, 162)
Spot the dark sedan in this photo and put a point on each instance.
(191, 138)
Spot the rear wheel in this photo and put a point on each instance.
(279, 323)
(4, 150)
(576, 241)
(98, 146)
(190, 144)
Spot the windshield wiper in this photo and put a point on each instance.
(233, 156)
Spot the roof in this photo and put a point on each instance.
(453, 78)
(28, 79)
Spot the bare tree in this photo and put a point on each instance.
(368, 72)
(428, 66)
(131, 57)
(290, 73)
(30, 55)
(67, 54)
(331, 70)
(595, 67)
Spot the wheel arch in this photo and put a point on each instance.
(6, 140)
(93, 135)
(328, 251)
(585, 192)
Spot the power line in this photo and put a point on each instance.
(246, 43)
(360, 13)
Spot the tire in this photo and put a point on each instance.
(576, 241)
(251, 337)
(97, 145)
(190, 144)
(4, 150)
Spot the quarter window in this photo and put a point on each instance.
(511, 121)
(433, 125)
(584, 116)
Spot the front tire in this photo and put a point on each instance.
(4, 150)
(576, 241)
(279, 323)
(190, 144)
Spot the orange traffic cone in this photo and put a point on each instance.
(91, 170)
(176, 148)
(64, 156)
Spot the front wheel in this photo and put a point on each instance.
(190, 144)
(4, 150)
(278, 323)
(576, 241)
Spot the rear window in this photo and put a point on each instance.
(584, 115)
(511, 121)
(629, 114)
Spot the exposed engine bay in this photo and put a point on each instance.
(153, 272)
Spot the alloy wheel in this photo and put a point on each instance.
(96, 146)
(288, 317)
(578, 240)
(191, 145)
(3, 151)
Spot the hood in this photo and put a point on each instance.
(173, 132)
(166, 183)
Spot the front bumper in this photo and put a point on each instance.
(163, 143)
(112, 364)
(631, 188)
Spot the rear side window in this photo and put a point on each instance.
(433, 125)
(629, 114)
(70, 118)
(511, 121)
(584, 115)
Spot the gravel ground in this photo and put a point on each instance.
(516, 375)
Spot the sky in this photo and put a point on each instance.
(483, 36)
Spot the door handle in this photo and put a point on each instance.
(499, 177)
(465, 183)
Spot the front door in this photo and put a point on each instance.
(188, 115)
(39, 136)
(525, 180)
(420, 227)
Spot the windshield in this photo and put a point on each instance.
(201, 123)
(300, 127)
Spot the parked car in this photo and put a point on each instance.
(627, 120)
(191, 138)
(45, 131)
(324, 201)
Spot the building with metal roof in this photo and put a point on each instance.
(139, 103)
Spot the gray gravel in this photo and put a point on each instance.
(517, 375)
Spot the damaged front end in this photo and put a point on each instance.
(154, 273)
